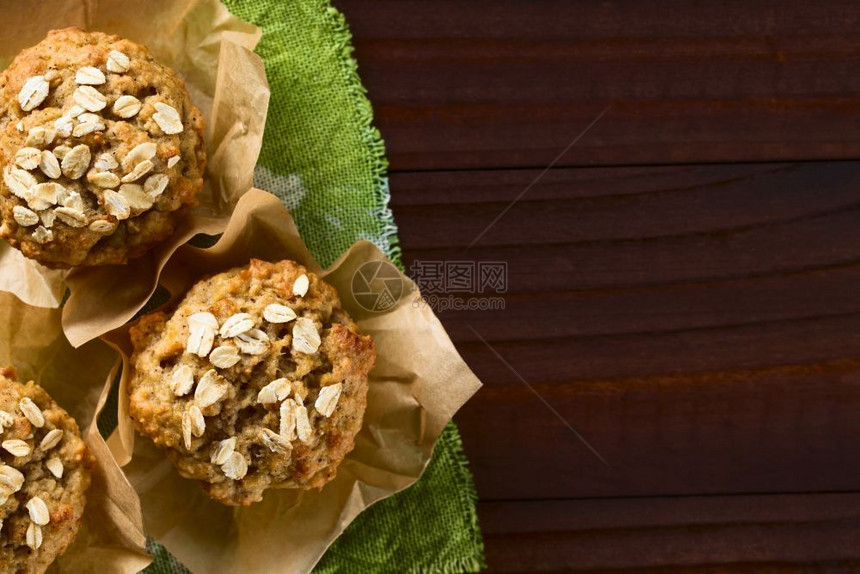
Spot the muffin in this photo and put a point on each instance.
(44, 475)
(101, 150)
(257, 380)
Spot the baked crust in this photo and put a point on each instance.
(342, 360)
(104, 234)
(65, 497)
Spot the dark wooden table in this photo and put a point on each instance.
(683, 284)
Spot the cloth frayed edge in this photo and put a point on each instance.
(370, 136)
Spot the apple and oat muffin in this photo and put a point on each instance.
(44, 474)
(257, 380)
(101, 150)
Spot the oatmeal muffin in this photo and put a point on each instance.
(257, 380)
(101, 150)
(44, 475)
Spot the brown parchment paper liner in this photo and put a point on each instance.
(418, 383)
(111, 539)
(212, 51)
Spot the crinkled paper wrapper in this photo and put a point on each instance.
(212, 51)
(418, 383)
(112, 538)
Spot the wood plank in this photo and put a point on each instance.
(699, 325)
(787, 429)
(765, 533)
(483, 84)
(635, 227)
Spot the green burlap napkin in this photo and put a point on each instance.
(325, 160)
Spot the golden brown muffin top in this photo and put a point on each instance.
(258, 379)
(44, 475)
(101, 150)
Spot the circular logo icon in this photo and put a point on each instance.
(377, 286)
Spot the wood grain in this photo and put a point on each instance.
(764, 533)
(682, 286)
(488, 84)
(698, 324)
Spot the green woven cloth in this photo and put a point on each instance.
(325, 160)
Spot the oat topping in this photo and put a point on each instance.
(155, 185)
(300, 287)
(118, 62)
(63, 126)
(11, 477)
(28, 157)
(116, 205)
(327, 399)
(167, 118)
(90, 98)
(126, 106)
(24, 216)
(186, 429)
(224, 356)
(32, 412)
(104, 179)
(42, 489)
(236, 467)
(55, 467)
(182, 380)
(33, 92)
(38, 511)
(76, 111)
(203, 319)
(40, 136)
(43, 235)
(273, 415)
(236, 325)
(306, 338)
(276, 313)
(240, 328)
(45, 195)
(210, 389)
(71, 216)
(135, 197)
(51, 439)
(89, 112)
(34, 536)
(49, 165)
(138, 172)
(274, 442)
(223, 450)
(6, 420)
(76, 162)
(47, 218)
(139, 153)
(303, 424)
(200, 340)
(287, 427)
(102, 226)
(105, 162)
(252, 342)
(16, 447)
(275, 391)
(198, 423)
(19, 181)
(88, 123)
(89, 76)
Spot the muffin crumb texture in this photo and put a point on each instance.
(44, 474)
(257, 380)
(101, 150)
